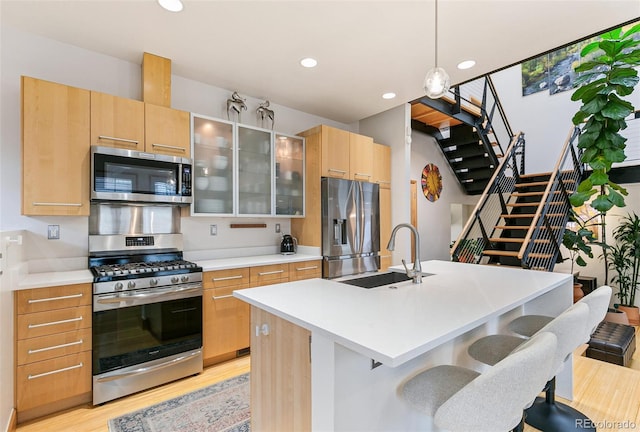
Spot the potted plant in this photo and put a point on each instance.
(625, 261)
(578, 240)
(607, 75)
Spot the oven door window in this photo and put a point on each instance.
(136, 334)
(117, 174)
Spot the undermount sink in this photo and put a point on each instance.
(379, 280)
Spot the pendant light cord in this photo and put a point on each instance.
(436, 26)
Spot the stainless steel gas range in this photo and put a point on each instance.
(147, 301)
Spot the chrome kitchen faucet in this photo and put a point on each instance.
(416, 272)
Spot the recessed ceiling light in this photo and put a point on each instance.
(171, 5)
(466, 64)
(389, 95)
(309, 62)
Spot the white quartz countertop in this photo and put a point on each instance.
(395, 325)
(48, 279)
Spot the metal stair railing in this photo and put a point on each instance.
(475, 235)
(541, 246)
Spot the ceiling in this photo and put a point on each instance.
(363, 48)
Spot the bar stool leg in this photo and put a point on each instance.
(550, 416)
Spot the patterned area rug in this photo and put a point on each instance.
(220, 407)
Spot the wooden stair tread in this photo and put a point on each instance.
(538, 183)
(501, 253)
(520, 227)
(540, 255)
(535, 175)
(518, 216)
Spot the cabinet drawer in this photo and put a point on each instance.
(226, 278)
(58, 297)
(52, 380)
(51, 346)
(269, 274)
(56, 321)
(305, 270)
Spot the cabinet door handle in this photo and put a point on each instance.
(270, 272)
(124, 140)
(78, 342)
(336, 171)
(362, 175)
(79, 365)
(57, 204)
(182, 149)
(31, 301)
(222, 297)
(306, 268)
(31, 326)
(226, 278)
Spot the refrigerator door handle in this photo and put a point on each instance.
(361, 219)
(351, 218)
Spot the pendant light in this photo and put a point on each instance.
(437, 81)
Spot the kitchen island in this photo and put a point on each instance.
(331, 356)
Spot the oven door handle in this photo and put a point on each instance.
(144, 370)
(119, 299)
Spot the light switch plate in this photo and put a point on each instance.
(53, 232)
(213, 230)
(277, 228)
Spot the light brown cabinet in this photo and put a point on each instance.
(281, 374)
(334, 151)
(360, 157)
(117, 122)
(55, 149)
(53, 349)
(167, 131)
(226, 319)
(382, 165)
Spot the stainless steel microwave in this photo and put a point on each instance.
(133, 176)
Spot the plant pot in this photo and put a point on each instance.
(577, 292)
(632, 314)
(616, 316)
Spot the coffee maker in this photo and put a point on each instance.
(288, 245)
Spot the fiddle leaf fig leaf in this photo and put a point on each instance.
(589, 48)
(602, 204)
(614, 155)
(599, 178)
(615, 198)
(632, 30)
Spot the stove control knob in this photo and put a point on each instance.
(153, 282)
(175, 279)
(184, 278)
(118, 286)
(131, 285)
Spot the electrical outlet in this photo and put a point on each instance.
(277, 228)
(53, 232)
(213, 230)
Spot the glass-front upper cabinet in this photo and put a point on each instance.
(289, 173)
(255, 171)
(213, 162)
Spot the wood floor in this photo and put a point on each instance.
(604, 392)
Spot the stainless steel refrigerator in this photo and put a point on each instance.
(350, 227)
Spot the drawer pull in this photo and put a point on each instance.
(362, 175)
(79, 342)
(270, 272)
(222, 297)
(124, 140)
(226, 278)
(165, 146)
(57, 204)
(306, 268)
(31, 326)
(79, 365)
(337, 170)
(31, 301)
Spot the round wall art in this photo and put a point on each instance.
(431, 182)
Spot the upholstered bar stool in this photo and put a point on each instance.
(461, 399)
(528, 325)
(569, 328)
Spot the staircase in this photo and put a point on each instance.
(470, 131)
(520, 218)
